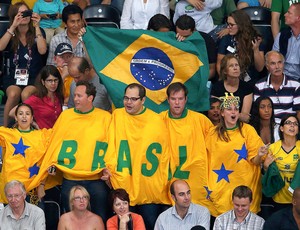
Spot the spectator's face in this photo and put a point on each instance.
(25, 20)
(15, 197)
(265, 109)
(182, 196)
(132, 102)
(233, 68)
(231, 115)
(292, 17)
(241, 207)
(177, 101)
(232, 26)
(275, 65)
(75, 73)
(24, 118)
(80, 200)
(121, 207)
(74, 24)
(63, 60)
(82, 101)
(214, 113)
(184, 33)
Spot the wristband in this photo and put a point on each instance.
(11, 33)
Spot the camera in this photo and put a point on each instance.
(27, 13)
(52, 16)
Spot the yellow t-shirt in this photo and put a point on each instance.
(286, 163)
(30, 3)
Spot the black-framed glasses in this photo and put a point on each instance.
(287, 122)
(133, 99)
(51, 81)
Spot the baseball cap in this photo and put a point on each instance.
(63, 48)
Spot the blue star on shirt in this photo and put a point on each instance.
(243, 153)
(34, 170)
(208, 192)
(223, 173)
(20, 148)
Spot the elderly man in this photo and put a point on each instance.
(184, 214)
(287, 41)
(19, 214)
(240, 217)
(138, 155)
(282, 89)
(80, 69)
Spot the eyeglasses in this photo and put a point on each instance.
(287, 122)
(16, 196)
(51, 81)
(231, 24)
(79, 198)
(133, 99)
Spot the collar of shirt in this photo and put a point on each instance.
(174, 212)
(284, 82)
(245, 221)
(25, 212)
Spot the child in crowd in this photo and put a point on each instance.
(50, 12)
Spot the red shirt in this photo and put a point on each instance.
(45, 111)
(138, 222)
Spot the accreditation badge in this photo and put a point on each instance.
(21, 76)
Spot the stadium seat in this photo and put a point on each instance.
(52, 214)
(266, 32)
(4, 11)
(259, 14)
(102, 15)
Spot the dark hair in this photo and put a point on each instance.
(244, 37)
(90, 88)
(159, 21)
(44, 73)
(16, 112)
(242, 191)
(283, 120)
(255, 117)
(223, 65)
(185, 22)
(30, 34)
(23, 104)
(176, 87)
(119, 193)
(142, 90)
(83, 65)
(70, 9)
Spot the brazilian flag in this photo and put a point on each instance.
(153, 59)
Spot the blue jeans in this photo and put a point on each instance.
(98, 191)
(149, 212)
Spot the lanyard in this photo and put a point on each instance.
(16, 57)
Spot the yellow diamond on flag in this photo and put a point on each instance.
(154, 64)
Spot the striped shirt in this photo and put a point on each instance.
(286, 100)
(63, 38)
(228, 221)
(197, 215)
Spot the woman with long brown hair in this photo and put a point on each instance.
(26, 44)
(244, 42)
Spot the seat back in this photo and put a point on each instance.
(102, 15)
(4, 11)
(52, 214)
(259, 14)
(266, 32)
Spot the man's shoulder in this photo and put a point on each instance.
(33, 209)
(199, 208)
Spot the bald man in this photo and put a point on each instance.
(287, 218)
(184, 214)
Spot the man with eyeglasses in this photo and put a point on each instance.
(138, 155)
(283, 90)
(19, 214)
(187, 130)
